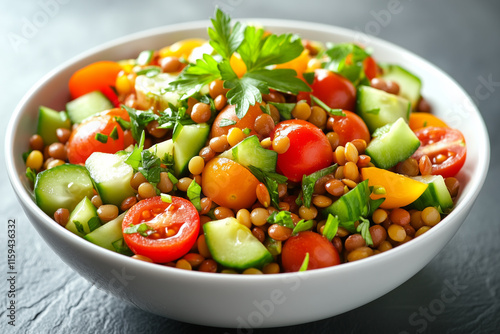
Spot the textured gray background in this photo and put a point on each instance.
(459, 36)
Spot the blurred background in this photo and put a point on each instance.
(458, 36)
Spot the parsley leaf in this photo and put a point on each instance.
(143, 229)
(283, 218)
(138, 120)
(331, 227)
(243, 93)
(121, 247)
(224, 39)
(303, 225)
(94, 223)
(364, 229)
(347, 59)
(194, 193)
(285, 109)
(271, 181)
(333, 112)
(79, 226)
(226, 122)
(308, 182)
(31, 174)
(281, 79)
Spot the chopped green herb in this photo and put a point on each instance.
(166, 198)
(94, 223)
(305, 263)
(143, 229)
(347, 59)
(309, 76)
(283, 218)
(303, 225)
(246, 131)
(364, 229)
(331, 227)
(101, 137)
(121, 247)
(271, 181)
(79, 226)
(265, 109)
(223, 38)
(374, 111)
(194, 193)
(333, 112)
(226, 122)
(285, 109)
(308, 182)
(145, 57)
(25, 155)
(31, 174)
(114, 133)
(149, 71)
(134, 158)
(138, 120)
(123, 123)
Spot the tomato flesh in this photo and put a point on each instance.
(350, 127)
(176, 226)
(444, 146)
(322, 253)
(333, 89)
(309, 149)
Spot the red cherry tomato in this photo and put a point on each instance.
(82, 142)
(176, 226)
(322, 253)
(309, 149)
(445, 147)
(333, 89)
(349, 127)
(370, 67)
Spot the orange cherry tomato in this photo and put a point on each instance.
(175, 227)
(322, 253)
(96, 76)
(424, 119)
(298, 64)
(238, 65)
(82, 142)
(229, 113)
(181, 48)
(400, 190)
(229, 184)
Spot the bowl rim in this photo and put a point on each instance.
(465, 201)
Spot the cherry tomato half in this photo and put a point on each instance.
(333, 89)
(82, 142)
(349, 127)
(444, 146)
(176, 226)
(309, 149)
(229, 184)
(322, 253)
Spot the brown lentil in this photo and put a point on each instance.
(194, 259)
(219, 144)
(243, 216)
(107, 212)
(396, 232)
(170, 64)
(208, 266)
(35, 160)
(408, 167)
(335, 187)
(431, 216)
(146, 190)
(273, 96)
(154, 129)
(453, 186)
(351, 153)
(165, 185)
(259, 233)
(183, 183)
(400, 216)
(349, 183)
(142, 258)
(353, 242)
(202, 247)
(220, 102)
(279, 232)
(183, 264)
(318, 117)
(196, 165)
(333, 139)
(281, 144)
(96, 200)
(422, 230)
(222, 212)
(379, 216)
(263, 195)
(36, 142)
(425, 165)
(321, 201)
(359, 253)
(128, 202)
(216, 88)
(360, 145)
(61, 216)
(308, 213)
(57, 151)
(416, 219)
(384, 246)
(63, 135)
(271, 268)
(252, 271)
(234, 136)
(423, 105)
(351, 171)
(201, 112)
(264, 125)
(259, 216)
(207, 153)
(55, 163)
(378, 234)
(339, 155)
(136, 180)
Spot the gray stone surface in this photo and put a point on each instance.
(460, 36)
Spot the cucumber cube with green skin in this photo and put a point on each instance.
(49, 120)
(62, 186)
(409, 84)
(87, 105)
(233, 245)
(378, 108)
(164, 148)
(83, 219)
(107, 234)
(250, 152)
(111, 175)
(188, 143)
(393, 143)
(436, 194)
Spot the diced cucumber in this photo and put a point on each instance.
(392, 143)
(378, 108)
(436, 194)
(87, 105)
(188, 143)
(83, 219)
(151, 93)
(164, 148)
(409, 84)
(250, 152)
(108, 234)
(233, 245)
(353, 205)
(111, 175)
(63, 186)
(49, 120)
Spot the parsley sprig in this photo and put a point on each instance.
(258, 51)
(347, 59)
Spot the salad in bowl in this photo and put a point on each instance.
(251, 151)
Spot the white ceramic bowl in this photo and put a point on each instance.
(237, 300)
